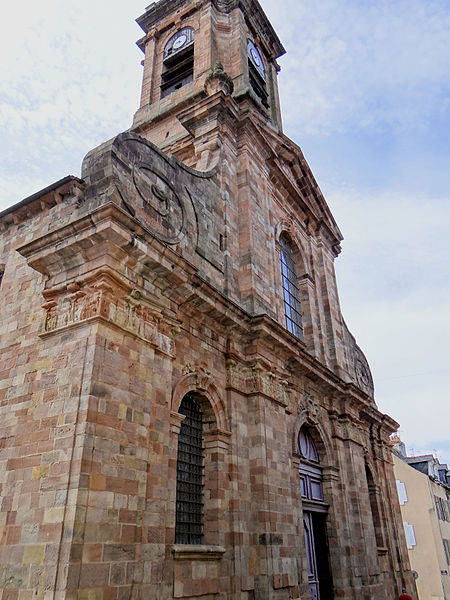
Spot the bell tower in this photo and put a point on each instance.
(194, 49)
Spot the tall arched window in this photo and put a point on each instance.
(291, 294)
(178, 61)
(314, 518)
(190, 465)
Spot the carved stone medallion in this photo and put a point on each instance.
(161, 204)
(362, 374)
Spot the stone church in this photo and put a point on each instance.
(184, 413)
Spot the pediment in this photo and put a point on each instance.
(291, 172)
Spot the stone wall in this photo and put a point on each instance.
(113, 310)
(158, 275)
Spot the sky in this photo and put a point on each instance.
(364, 88)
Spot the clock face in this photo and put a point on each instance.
(179, 41)
(256, 59)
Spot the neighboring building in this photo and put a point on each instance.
(184, 413)
(423, 486)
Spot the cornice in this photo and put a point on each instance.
(47, 197)
(116, 235)
(158, 11)
(251, 9)
(254, 13)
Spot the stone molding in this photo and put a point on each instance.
(104, 296)
(175, 422)
(314, 422)
(258, 379)
(293, 230)
(198, 379)
(218, 80)
(157, 14)
(292, 173)
(308, 405)
(194, 552)
(110, 237)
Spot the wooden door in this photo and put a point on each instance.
(311, 557)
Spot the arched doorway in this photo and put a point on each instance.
(315, 511)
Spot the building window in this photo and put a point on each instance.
(190, 465)
(291, 294)
(442, 509)
(178, 61)
(446, 505)
(447, 550)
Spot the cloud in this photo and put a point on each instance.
(394, 281)
(396, 244)
(365, 65)
(66, 88)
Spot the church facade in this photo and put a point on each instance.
(184, 413)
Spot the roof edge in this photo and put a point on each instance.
(50, 188)
(252, 8)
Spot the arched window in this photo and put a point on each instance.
(190, 465)
(257, 73)
(178, 61)
(291, 294)
(310, 470)
(314, 518)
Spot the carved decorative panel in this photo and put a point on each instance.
(101, 296)
(257, 379)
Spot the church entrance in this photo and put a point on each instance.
(314, 520)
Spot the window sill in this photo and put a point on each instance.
(197, 552)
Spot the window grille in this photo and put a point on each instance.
(291, 294)
(189, 498)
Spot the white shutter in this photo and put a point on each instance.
(401, 491)
(410, 535)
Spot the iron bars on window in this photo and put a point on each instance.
(189, 499)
